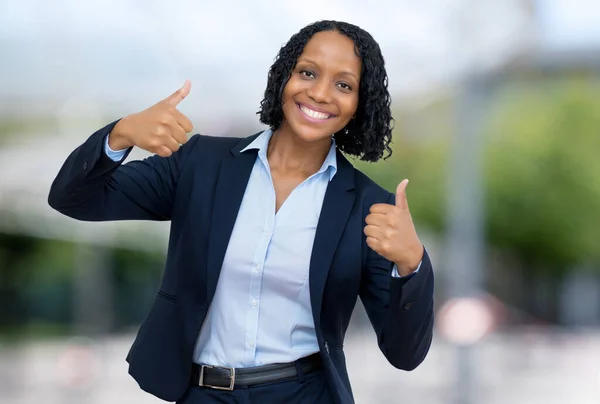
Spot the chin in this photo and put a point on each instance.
(312, 135)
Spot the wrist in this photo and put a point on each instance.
(403, 270)
(117, 140)
(409, 266)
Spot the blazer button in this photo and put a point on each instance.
(84, 165)
(408, 305)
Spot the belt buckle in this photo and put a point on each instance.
(231, 377)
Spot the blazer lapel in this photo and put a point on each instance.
(231, 184)
(337, 205)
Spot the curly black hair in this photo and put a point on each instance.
(370, 132)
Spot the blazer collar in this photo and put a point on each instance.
(243, 143)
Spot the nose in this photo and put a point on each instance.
(319, 91)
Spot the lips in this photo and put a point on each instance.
(313, 114)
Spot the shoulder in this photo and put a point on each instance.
(215, 147)
(367, 190)
(370, 191)
(212, 144)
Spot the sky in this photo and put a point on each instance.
(121, 55)
(570, 24)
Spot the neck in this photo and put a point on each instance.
(289, 154)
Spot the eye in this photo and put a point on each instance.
(344, 86)
(307, 73)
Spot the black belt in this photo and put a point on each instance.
(225, 378)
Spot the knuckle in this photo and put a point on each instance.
(158, 131)
(155, 143)
(165, 131)
(166, 119)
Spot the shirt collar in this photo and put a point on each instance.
(261, 143)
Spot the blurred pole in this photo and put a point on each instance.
(93, 294)
(465, 243)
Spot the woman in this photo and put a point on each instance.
(273, 237)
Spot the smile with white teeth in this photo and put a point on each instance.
(314, 114)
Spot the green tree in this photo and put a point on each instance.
(543, 175)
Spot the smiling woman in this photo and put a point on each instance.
(273, 237)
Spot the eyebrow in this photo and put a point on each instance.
(343, 73)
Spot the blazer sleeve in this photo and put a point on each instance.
(400, 309)
(92, 187)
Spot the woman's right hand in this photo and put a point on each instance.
(160, 129)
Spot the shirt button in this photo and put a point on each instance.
(84, 165)
(250, 343)
(254, 302)
(256, 269)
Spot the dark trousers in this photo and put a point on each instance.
(309, 389)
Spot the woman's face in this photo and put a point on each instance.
(321, 96)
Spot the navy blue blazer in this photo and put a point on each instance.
(200, 189)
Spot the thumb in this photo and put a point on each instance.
(401, 200)
(178, 96)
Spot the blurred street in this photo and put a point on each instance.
(496, 105)
(536, 367)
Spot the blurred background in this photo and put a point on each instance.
(497, 109)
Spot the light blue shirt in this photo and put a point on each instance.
(261, 311)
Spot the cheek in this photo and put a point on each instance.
(350, 107)
(285, 95)
(291, 87)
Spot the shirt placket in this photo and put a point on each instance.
(257, 270)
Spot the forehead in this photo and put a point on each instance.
(332, 50)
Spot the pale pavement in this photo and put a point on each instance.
(519, 368)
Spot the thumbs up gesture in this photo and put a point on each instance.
(160, 129)
(391, 233)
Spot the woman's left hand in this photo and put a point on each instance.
(391, 233)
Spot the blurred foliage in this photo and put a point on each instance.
(32, 126)
(37, 281)
(542, 172)
(15, 252)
